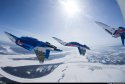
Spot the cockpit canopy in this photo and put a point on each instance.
(29, 40)
(122, 28)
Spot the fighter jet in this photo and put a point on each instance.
(81, 48)
(41, 49)
(115, 32)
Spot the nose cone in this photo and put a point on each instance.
(11, 37)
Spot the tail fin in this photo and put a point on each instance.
(41, 55)
(82, 51)
(122, 39)
(60, 41)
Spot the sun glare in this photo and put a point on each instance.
(70, 7)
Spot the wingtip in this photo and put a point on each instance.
(97, 22)
(53, 37)
(59, 50)
(5, 32)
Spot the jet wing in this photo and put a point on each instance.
(11, 37)
(41, 53)
(107, 28)
(82, 50)
(60, 41)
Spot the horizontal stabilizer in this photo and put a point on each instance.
(50, 45)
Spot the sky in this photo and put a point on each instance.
(69, 20)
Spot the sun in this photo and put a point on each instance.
(70, 7)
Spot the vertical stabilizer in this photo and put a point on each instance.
(82, 51)
(122, 39)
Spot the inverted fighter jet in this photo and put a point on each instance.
(115, 32)
(81, 48)
(41, 49)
